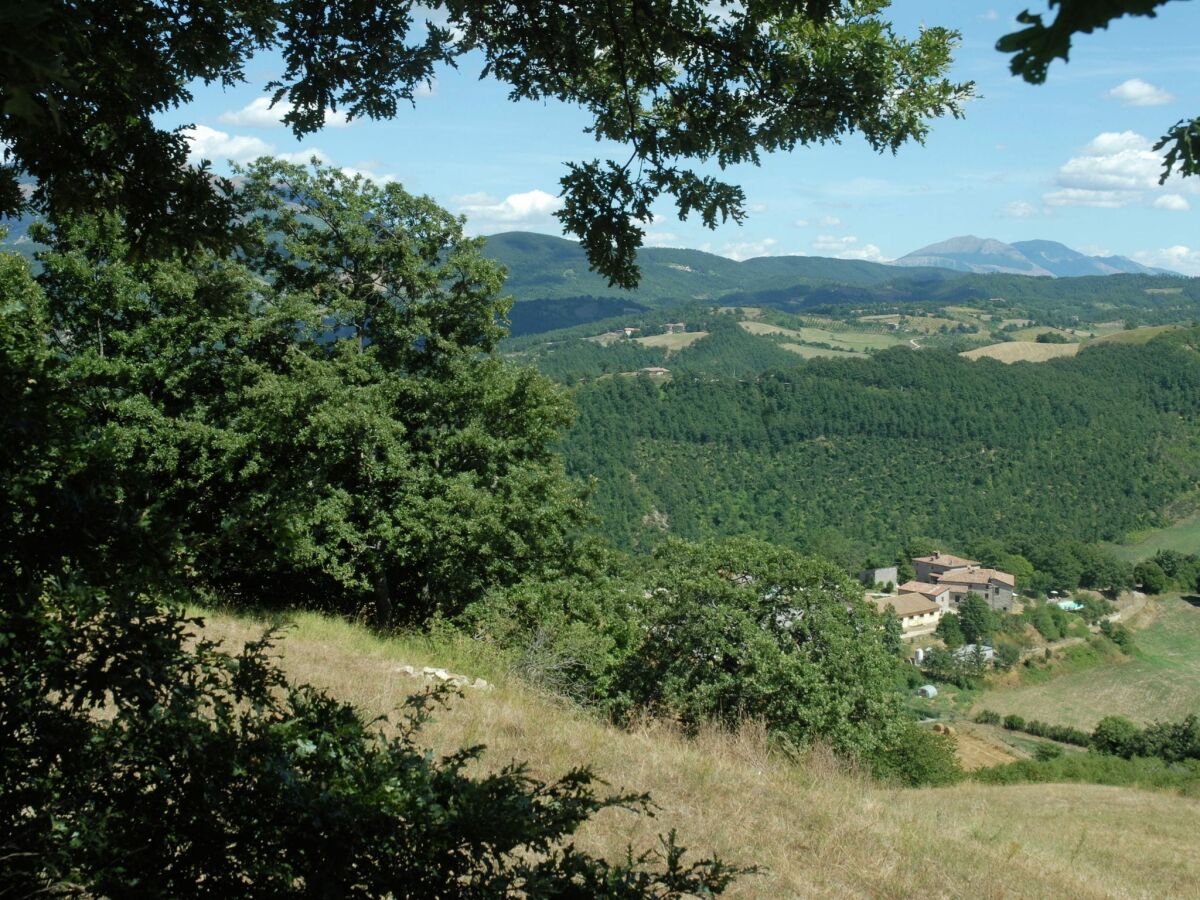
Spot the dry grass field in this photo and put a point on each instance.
(673, 342)
(1022, 351)
(858, 341)
(1160, 681)
(816, 352)
(1141, 335)
(818, 830)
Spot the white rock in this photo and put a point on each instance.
(481, 685)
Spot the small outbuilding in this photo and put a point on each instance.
(928, 691)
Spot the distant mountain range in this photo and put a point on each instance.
(1038, 258)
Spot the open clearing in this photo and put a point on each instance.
(1138, 335)
(1183, 537)
(841, 340)
(817, 830)
(1030, 334)
(672, 342)
(1022, 351)
(1160, 681)
(816, 352)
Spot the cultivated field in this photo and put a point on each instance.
(1022, 351)
(815, 352)
(1031, 334)
(1160, 681)
(817, 830)
(672, 342)
(859, 341)
(1141, 335)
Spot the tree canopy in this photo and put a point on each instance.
(322, 418)
(679, 84)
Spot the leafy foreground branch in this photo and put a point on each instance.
(137, 759)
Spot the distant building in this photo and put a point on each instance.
(996, 587)
(971, 652)
(654, 370)
(630, 332)
(938, 564)
(938, 593)
(673, 327)
(918, 615)
(886, 575)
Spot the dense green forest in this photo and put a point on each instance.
(877, 452)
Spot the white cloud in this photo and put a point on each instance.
(369, 175)
(259, 113)
(1173, 202)
(1179, 258)
(1113, 161)
(1094, 199)
(529, 208)
(304, 156)
(801, 223)
(219, 146)
(847, 247)
(1136, 92)
(990, 16)
(1020, 209)
(750, 249)
(757, 208)
(662, 239)
(829, 221)
(1115, 169)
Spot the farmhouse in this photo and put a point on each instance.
(673, 327)
(938, 593)
(918, 615)
(996, 587)
(884, 575)
(947, 579)
(939, 564)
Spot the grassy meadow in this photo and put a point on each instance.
(1022, 351)
(672, 342)
(1183, 537)
(1161, 680)
(817, 829)
(859, 341)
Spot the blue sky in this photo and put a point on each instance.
(1067, 161)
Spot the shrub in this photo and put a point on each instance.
(1118, 634)
(987, 717)
(1014, 722)
(1117, 736)
(919, 757)
(742, 628)
(211, 769)
(1045, 752)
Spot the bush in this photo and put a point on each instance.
(1014, 722)
(742, 629)
(1118, 634)
(1045, 752)
(1097, 768)
(211, 769)
(987, 717)
(1117, 736)
(919, 757)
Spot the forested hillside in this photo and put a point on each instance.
(875, 452)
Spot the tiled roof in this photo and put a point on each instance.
(920, 587)
(946, 559)
(977, 576)
(906, 605)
